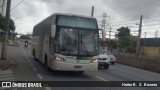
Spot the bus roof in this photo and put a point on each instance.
(66, 14)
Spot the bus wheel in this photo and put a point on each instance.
(34, 55)
(46, 64)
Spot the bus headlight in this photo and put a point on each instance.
(94, 60)
(59, 58)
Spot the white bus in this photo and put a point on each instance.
(67, 42)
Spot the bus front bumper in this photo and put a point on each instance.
(64, 66)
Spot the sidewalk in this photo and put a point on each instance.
(8, 63)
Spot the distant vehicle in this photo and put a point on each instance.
(110, 55)
(103, 61)
(29, 42)
(67, 42)
(26, 44)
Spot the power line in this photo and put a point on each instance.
(138, 19)
(17, 5)
(152, 24)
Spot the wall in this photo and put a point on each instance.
(144, 63)
(150, 51)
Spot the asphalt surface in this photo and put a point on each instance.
(30, 70)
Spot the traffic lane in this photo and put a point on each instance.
(59, 75)
(116, 72)
(23, 71)
(126, 73)
(147, 75)
(71, 76)
(62, 74)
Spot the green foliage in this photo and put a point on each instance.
(12, 25)
(123, 32)
(2, 22)
(133, 43)
(126, 41)
(113, 44)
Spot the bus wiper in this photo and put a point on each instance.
(73, 46)
(82, 42)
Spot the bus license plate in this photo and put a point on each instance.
(77, 66)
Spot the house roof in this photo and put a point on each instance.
(154, 42)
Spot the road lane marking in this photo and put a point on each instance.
(2, 76)
(29, 61)
(24, 53)
(5, 79)
(6, 75)
(34, 69)
(31, 64)
(8, 71)
(101, 78)
(48, 88)
(39, 76)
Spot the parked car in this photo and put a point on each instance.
(110, 55)
(103, 61)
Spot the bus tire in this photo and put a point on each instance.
(34, 55)
(46, 63)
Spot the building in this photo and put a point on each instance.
(150, 47)
(3, 4)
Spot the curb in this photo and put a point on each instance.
(6, 65)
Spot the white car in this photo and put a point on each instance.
(110, 55)
(103, 61)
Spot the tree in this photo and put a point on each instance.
(11, 26)
(112, 43)
(123, 32)
(124, 37)
(2, 22)
(133, 43)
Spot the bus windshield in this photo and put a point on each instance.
(76, 41)
(78, 22)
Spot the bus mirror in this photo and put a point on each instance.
(53, 30)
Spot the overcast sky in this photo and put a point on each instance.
(31, 12)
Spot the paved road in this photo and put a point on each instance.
(30, 70)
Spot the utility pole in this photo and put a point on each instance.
(6, 28)
(92, 12)
(156, 34)
(139, 36)
(144, 41)
(109, 38)
(103, 30)
(3, 7)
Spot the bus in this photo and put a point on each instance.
(67, 42)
